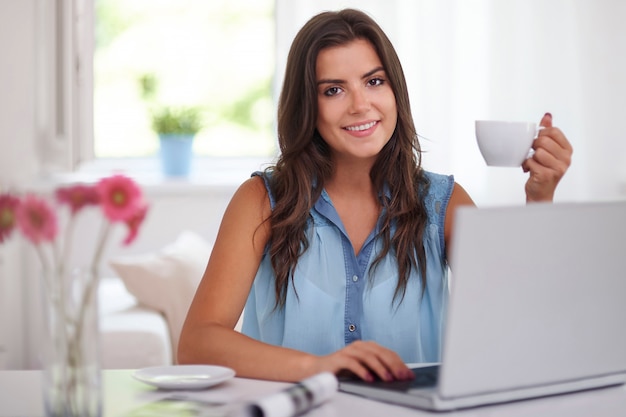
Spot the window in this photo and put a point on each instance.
(215, 55)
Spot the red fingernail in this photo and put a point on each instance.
(548, 114)
(369, 377)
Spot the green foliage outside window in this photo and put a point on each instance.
(204, 66)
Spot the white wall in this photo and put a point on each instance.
(17, 162)
(17, 109)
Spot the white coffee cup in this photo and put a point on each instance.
(505, 144)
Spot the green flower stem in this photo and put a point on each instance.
(74, 325)
(67, 244)
(45, 267)
(75, 353)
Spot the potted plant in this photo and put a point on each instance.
(176, 127)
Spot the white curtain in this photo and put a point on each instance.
(511, 60)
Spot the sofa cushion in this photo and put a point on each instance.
(166, 280)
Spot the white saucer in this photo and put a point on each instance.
(184, 376)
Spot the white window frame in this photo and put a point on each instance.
(64, 97)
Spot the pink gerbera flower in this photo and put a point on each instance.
(120, 197)
(8, 207)
(78, 196)
(36, 220)
(134, 222)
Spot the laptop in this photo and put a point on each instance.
(537, 307)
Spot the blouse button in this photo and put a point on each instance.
(352, 327)
(355, 278)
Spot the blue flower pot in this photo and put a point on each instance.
(176, 154)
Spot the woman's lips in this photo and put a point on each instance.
(362, 128)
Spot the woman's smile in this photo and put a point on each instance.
(361, 127)
(362, 130)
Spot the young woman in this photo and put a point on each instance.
(338, 252)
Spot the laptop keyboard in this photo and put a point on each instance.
(425, 377)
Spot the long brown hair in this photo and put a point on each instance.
(304, 164)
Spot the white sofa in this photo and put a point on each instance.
(142, 310)
(132, 336)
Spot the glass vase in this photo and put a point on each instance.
(70, 349)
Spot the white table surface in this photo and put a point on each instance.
(20, 395)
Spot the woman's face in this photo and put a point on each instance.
(356, 106)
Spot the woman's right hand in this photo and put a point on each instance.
(365, 359)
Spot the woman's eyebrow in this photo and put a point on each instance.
(330, 81)
(372, 72)
(339, 81)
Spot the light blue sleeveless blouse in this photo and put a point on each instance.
(338, 299)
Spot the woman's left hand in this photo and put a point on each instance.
(552, 157)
